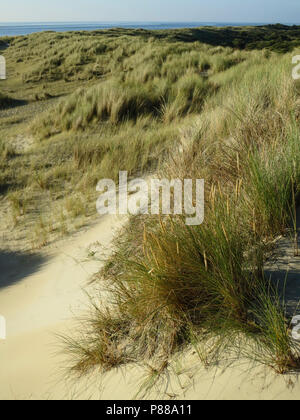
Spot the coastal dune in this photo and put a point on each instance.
(217, 104)
(42, 305)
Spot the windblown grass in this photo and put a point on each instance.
(126, 115)
(117, 102)
(171, 285)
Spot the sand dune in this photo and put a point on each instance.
(40, 297)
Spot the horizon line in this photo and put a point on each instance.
(142, 21)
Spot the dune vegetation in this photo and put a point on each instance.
(173, 285)
(183, 105)
(90, 99)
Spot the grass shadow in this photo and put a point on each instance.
(288, 287)
(16, 266)
(8, 103)
(285, 271)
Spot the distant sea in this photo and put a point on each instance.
(12, 29)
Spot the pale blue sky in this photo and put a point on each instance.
(151, 10)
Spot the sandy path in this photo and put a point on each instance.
(41, 301)
(40, 304)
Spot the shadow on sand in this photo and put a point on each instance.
(16, 266)
(284, 271)
(288, 286)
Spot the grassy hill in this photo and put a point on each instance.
(109, 97)
(280, 38)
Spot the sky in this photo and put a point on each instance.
(269, 11)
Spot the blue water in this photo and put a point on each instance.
(12, 29)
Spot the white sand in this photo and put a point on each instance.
(43, 304)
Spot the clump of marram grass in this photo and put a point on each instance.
(271, 342)
(174, 285)
(7, 151)
(170, 283)
(7, 155)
